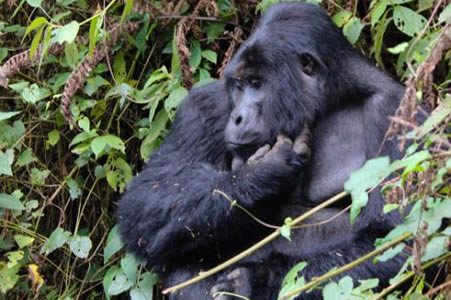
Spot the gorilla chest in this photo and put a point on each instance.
(338, 149)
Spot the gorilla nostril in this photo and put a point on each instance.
(238, 120)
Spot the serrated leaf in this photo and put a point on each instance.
(56, 240)
(408, 21)
(80, 245)
(10, 202)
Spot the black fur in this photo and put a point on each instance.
(301, 69)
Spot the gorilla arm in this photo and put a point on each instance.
(170, 212)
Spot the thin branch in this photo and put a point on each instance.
(409, 275)
(346, 267)
(255, 247)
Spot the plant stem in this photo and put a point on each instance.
(255, 247)
(346, 267)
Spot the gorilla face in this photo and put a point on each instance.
(268, 98)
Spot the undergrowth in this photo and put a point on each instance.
(89, 90)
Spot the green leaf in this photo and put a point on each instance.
(97, 145)
(175, 98)
(119, 67)
(129, 266)
(390, 253)
(435, 248)
(210, 55)
(71, 54)
(35, 3)
(372, 172)
(84, 124)
(94, 32)
(23, 240)
(8, 277)
(10, 202)
(113, 244)
(67, 33)
(8, 115)
(214, 30)
(108, 279)
(35, 42)
(398, 48)
(195, 58)
(342, 290)
(155, 130)
(25, 158)
(127, 9)
(34, 93)
(292, 281)
(118, 174)
(38, 177)
(80, 245)
(378, 11)
(352, 29)
(114, 142)
(119, 284)
(411, 162)
(94, 83)
(53, 137)
(56, 240)
(6, 161)
(408, 21)
(35, 24)
(139, 294)
(74, 188)
(342, 17)
(445, 15)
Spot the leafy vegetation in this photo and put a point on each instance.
(89, 90)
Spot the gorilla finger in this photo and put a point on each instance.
(282, 141)
(301, 148)
(259, 154)
(237, 162)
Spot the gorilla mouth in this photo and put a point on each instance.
(244, 150)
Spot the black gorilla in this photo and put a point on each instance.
(295, 69)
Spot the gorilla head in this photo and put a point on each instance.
(276, 81)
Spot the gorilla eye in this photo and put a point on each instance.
(307, 64)
(238, 84)
(255, 83)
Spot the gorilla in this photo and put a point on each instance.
(248, 137)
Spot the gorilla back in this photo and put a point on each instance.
(235, 136)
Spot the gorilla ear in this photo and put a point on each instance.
(308, 63)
